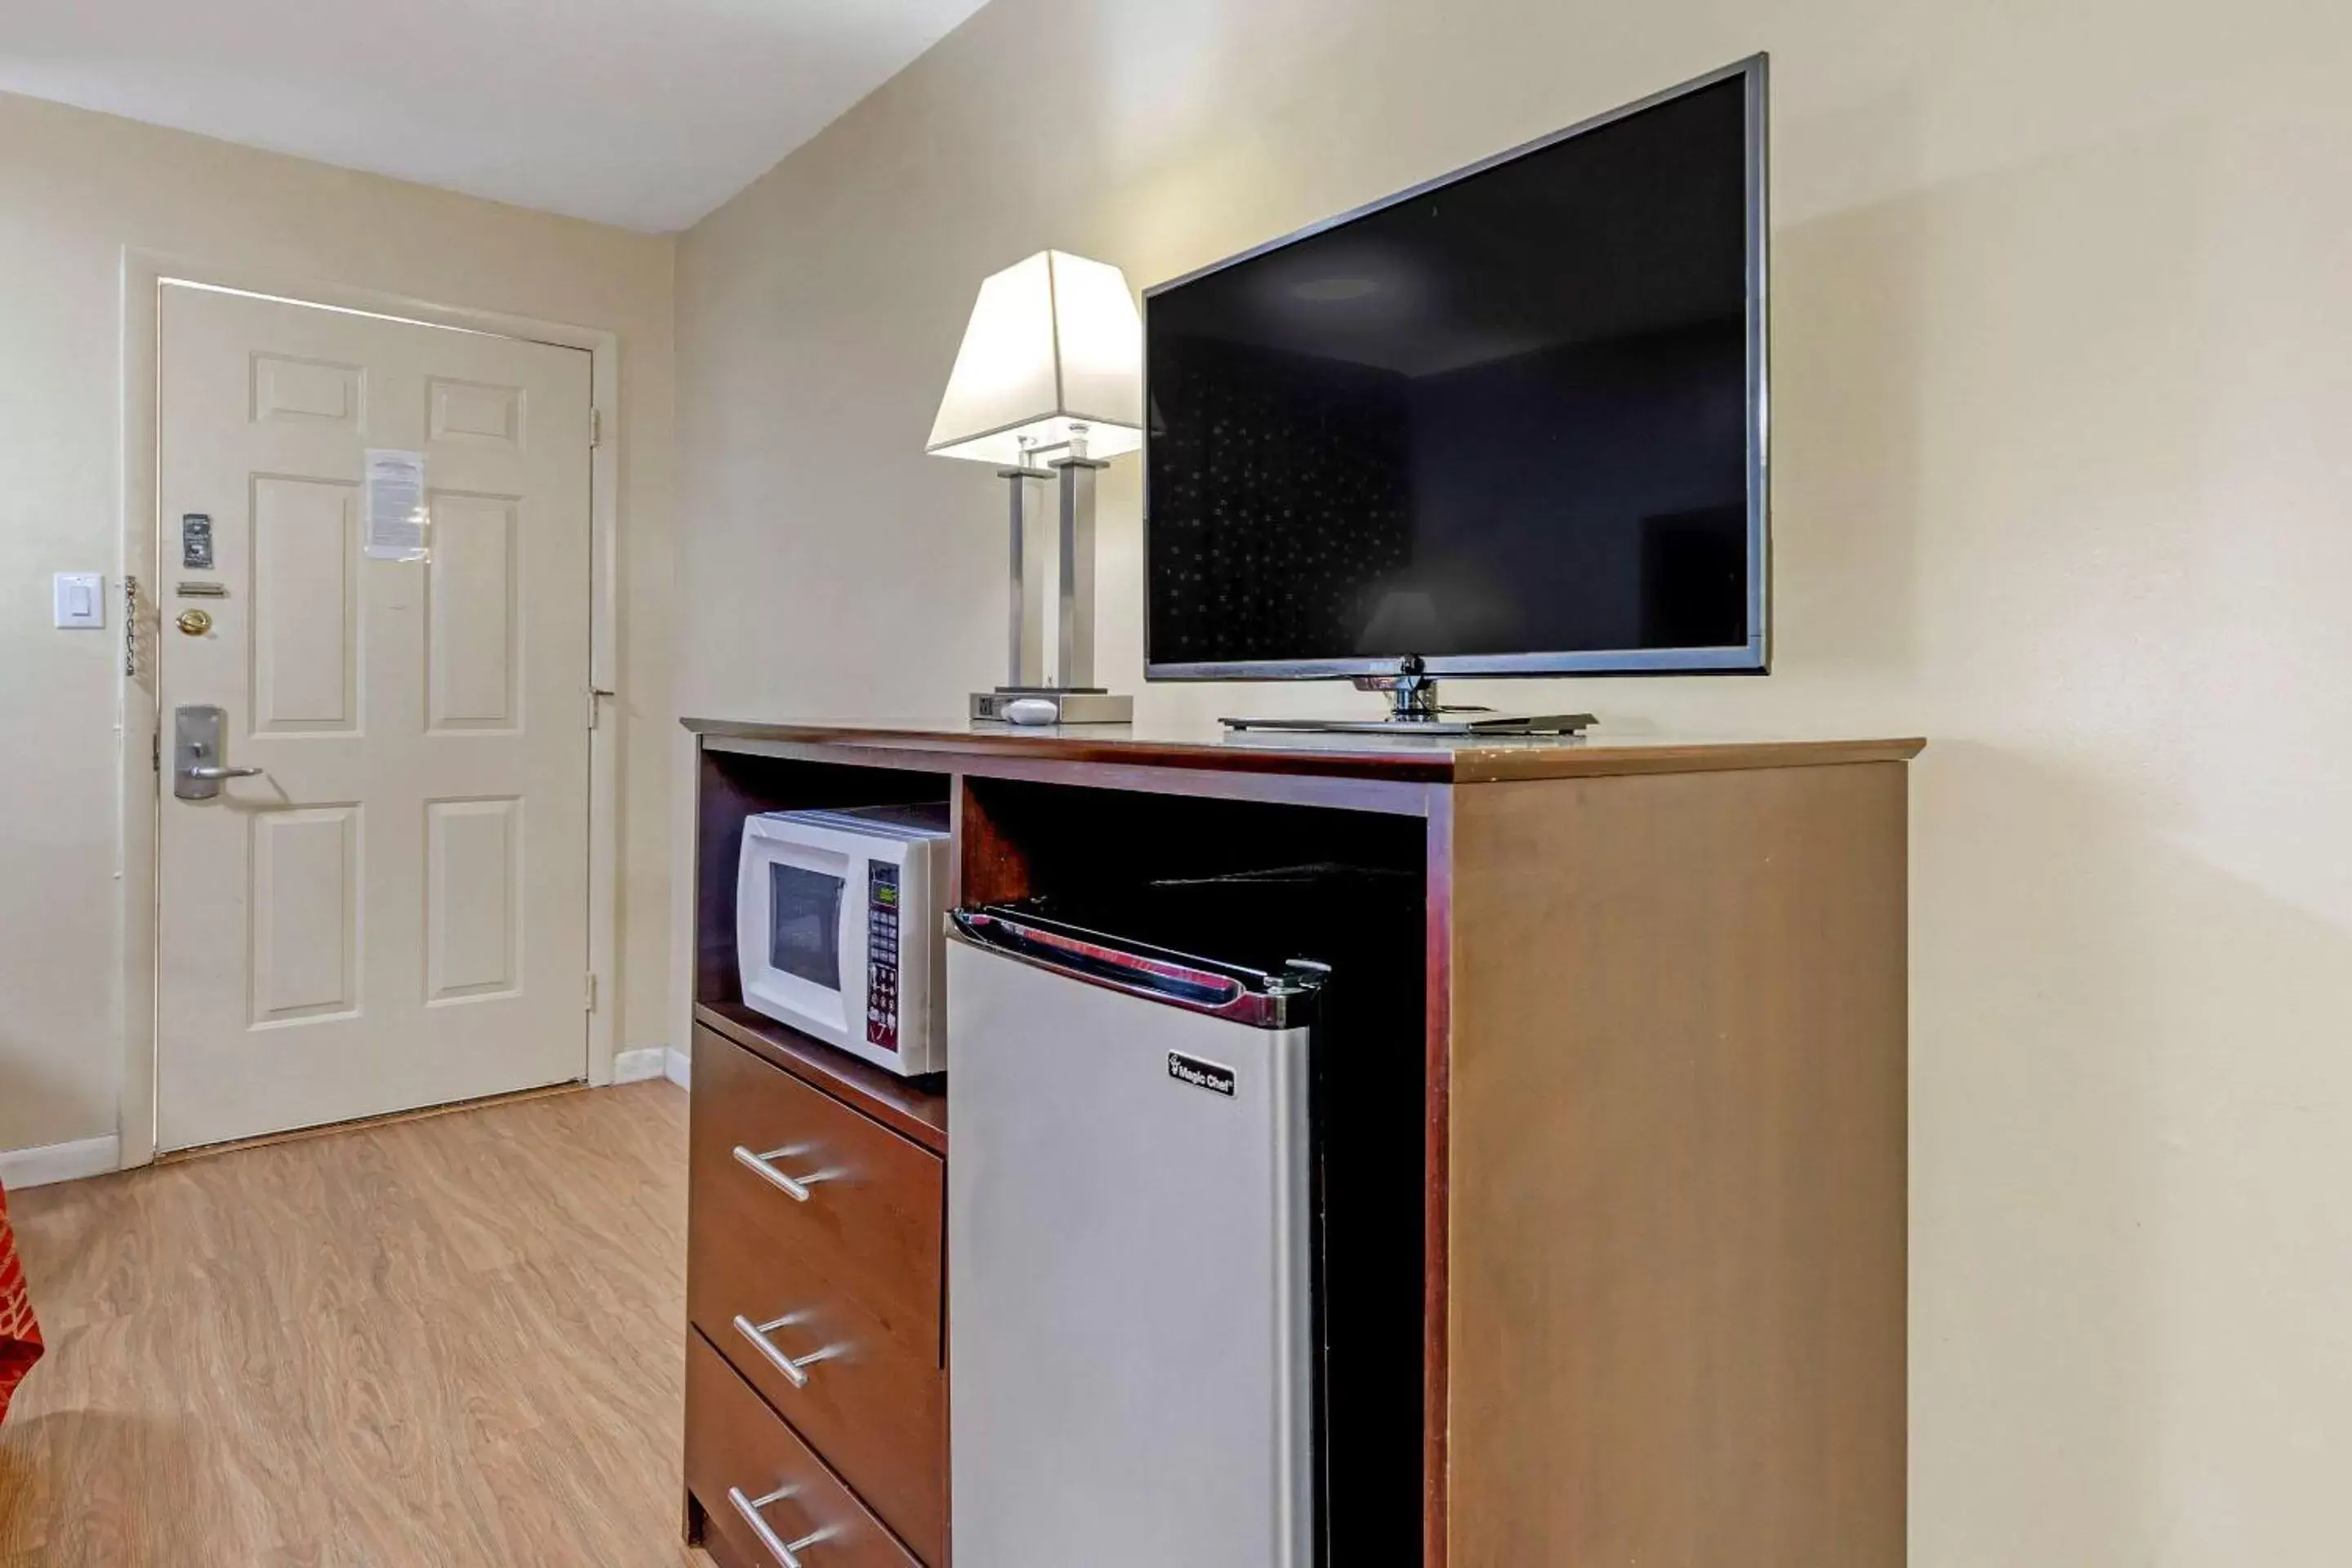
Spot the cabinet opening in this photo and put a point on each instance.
(740, 784)
(1258, 883)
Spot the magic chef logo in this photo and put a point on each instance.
(1201, 1074)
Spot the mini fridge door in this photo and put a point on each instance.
(1128, 1253)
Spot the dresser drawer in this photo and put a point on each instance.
(874, 1407)
(741, 1460)
(867, 1225)
(829, 1307)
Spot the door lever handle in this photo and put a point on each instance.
(198, 734)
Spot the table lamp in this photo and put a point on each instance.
(1051, 369)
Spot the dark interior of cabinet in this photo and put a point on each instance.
(736, 785)
(1019, 838)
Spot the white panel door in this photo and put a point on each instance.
(393, 912)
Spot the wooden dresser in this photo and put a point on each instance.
(1661, 1256)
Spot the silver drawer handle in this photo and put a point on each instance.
(785, 1552)
(792, 1370)
(797, 1189)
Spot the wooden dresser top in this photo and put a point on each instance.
(1405, 759)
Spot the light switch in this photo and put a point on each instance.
(81, 599)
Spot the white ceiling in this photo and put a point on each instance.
(642, 112)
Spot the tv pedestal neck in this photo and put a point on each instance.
(1414, 709)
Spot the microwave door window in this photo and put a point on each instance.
(805, 924)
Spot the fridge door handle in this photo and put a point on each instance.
(1159, 979)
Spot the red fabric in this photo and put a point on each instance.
(20, 1336)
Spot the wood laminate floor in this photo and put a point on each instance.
(456, 1340)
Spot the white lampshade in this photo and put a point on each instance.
(1054, 342)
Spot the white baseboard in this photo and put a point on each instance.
(60, 1162)
(651, 1062)
(636, 1067)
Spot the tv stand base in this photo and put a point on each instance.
(1414, 709)
(1483, 724)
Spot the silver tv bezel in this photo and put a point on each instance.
(1751, 658)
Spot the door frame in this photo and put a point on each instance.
(140, 839)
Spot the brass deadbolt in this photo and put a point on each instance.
(195, 623)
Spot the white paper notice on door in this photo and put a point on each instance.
(392, 525)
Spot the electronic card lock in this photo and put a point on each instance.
(197, 767)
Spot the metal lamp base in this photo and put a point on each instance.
(1050, 623)
(1045, 705)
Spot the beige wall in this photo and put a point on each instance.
(2064, 384)
(76, 188)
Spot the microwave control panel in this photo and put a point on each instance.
(882, 955)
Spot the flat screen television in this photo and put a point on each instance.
(1511, 422)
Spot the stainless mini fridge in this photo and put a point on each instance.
(1130, 1256)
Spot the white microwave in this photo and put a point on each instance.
(838, 929)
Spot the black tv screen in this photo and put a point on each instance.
(1511, 422)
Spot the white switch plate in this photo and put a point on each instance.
(82, 599)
